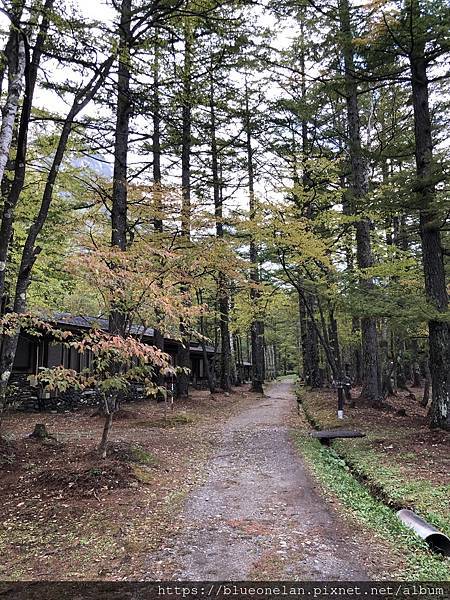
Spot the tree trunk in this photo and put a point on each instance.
(209, 372)
(156, 143)
(356, 357)
(238, 354)
(10, 202)
(427, 385)
(432, 255)
(370, 368)
(222, 285)
(334, 340)
(311, 345)
(117, 316)
(415, 365)
(225, 346)
(183, 352)
(16, 71)
(158, 337)
(257, 326)
(107, 426)
(357, 354)
(119, 222)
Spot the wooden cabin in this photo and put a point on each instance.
(34, 353)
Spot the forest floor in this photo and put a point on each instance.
(400, 458)
(67, 514)
(217, 491)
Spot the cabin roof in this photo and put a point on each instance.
(88, 322)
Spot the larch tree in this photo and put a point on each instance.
(257, 326)
(414, 37)
(371, 380)
(430, 218)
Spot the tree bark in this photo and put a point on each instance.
(311, 342)
(158, 337)
(303, 341)
(30, 73)
(222, 283)
(118, 316)
(432, 255)
(107, 426)
(156, 142)
(427, 385)
(371, 389)
(238, 359)
(312, 346)
(186, 150)
(16, 71)
(257, 326)
(119, 222)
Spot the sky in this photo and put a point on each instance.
(103, 11)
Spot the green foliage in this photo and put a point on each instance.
(429, 498)
(333, 473)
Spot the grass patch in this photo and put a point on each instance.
(172, 420)
(143, 475)
(397, 463)
(132, 453)
(356, 499)
(429, 499)
(142, 457)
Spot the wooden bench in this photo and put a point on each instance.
(326, 435)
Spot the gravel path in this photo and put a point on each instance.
(259, 514)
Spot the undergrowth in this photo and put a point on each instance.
(397, 478)
(356, 499)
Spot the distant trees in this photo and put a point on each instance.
(251, 172)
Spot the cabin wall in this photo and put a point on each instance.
(33, 353)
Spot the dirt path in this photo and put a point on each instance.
(259, 514)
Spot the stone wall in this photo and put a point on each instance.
(23, 396)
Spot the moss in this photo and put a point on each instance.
(172, 420)
(142, 457)
(143, 475)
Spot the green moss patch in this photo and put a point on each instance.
(172, 420)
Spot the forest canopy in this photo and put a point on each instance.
(271, 178)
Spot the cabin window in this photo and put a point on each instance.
(70, 359)
(74, 360)
(54, 355)
(24, 355)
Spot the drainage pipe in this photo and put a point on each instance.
(437, 540)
